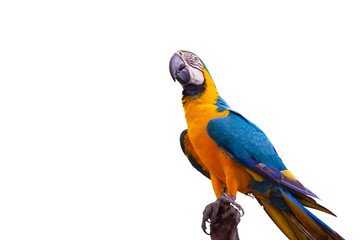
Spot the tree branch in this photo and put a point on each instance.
(224, 226)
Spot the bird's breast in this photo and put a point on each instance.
(205, 146)
(213, 159)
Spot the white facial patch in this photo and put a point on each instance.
(197, 76)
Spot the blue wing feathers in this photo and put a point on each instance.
(244, 139)
(222, 105)
(246, 144)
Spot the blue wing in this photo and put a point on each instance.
(244, 139)
(246, 144)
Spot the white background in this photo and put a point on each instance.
(90, 118)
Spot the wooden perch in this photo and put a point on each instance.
(224, 225)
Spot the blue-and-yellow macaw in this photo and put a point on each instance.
(237, 156)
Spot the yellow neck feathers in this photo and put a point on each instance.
(201, 108)
(209, 96)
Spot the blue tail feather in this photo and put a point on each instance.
(331, 234)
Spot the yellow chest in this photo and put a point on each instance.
(212, 158)
(199, 110)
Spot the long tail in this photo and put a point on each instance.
(294, 220)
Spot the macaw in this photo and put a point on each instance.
(237, 156)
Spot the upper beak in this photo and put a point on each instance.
(178, 71)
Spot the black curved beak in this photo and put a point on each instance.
(178, 71)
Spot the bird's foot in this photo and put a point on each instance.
(224, 209)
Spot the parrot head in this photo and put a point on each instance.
(187, 68)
